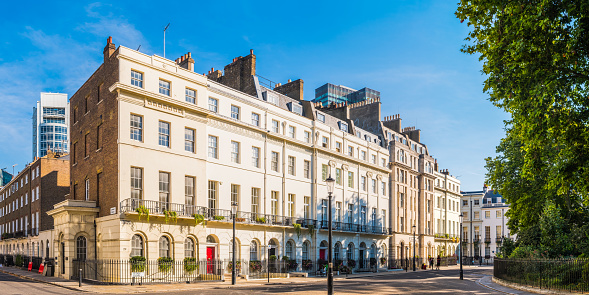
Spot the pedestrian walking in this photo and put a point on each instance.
(438, 263)
(431, 262)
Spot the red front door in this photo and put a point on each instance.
(210, 259)
(322, 254)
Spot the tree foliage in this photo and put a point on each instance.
(535, 57)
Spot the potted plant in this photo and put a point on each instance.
(137, 263)
(255, 266)
(170, 214)
(307, 264)
(351, 263)
(239, 219)
(142, 211)
(198, 219)
(261, 219)
(164, 264)
(273, 258)
(190, 264)
(219, 218)
(311, 228)
(297, 229)
(237, 268)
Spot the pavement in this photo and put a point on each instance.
(477, 281)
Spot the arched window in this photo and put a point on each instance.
(373, 251)
(337, 255)
(306, 250)
(189, 247)
(81, 248)
(350, 252)
(289, 252)
(254, 251)
(211, 240)
(136, 246)
(164, 247)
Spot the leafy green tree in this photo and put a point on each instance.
(535, 56)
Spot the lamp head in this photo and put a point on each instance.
(234, 207)
(330, 183)
(461, 217)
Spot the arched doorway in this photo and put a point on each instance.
(323, 250)
(272, 248)
(362, 255)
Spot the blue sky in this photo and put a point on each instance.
(408, 50)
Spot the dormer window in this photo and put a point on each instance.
(343, 126)
(367, 138)
(271, 97)
(321, 117)
(295, 108)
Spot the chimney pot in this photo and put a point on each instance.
(251, 51)
(109, 41)
(289, 80)
(188, 53)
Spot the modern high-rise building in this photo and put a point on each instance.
(51, 124)
(5, 177)
(330, 93)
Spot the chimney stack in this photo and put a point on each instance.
(186, 61)
(109, 49)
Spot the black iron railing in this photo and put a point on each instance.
(223, 215)
(570, 275)
(150, 271)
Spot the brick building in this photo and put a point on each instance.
(25, 227)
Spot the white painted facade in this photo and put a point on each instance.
(447, 213)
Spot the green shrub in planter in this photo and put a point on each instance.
(137, 263)
(164, 263)
(273, 257)
(19, 260)
(190, 264)
(219, 217)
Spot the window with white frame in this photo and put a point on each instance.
(321, 117)
(189, 140)
(189, 190)
(136, 78)
(212, 194)
(350, 179)
(338, 146)
(363, 182)
(350, 215)
(383, 188)
(87, 189)
(373, 186)
(234, 112)
(235, 152)
(350, 151)
(274, 203)
(307, 169)
(290, 205)
(363, 155)
(256, 156)
(164, 87)
(164, 134)
(291, 165)
(325, 142)
(255, 200)
(307, 207)
(275, 126)
(213, 104)
(235, 191)
(307, 136)
(136, 127)
(292, 131)
(164, 188)
(274, 161)
(213, 147)
(256, 119)
(190, 95)
(136, 183)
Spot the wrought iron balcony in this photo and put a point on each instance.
(487, 240)
(223, 215)
(499, 240)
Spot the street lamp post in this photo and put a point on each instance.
(461, 271)
(233, 265)
(414, 248)
(330, 182)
